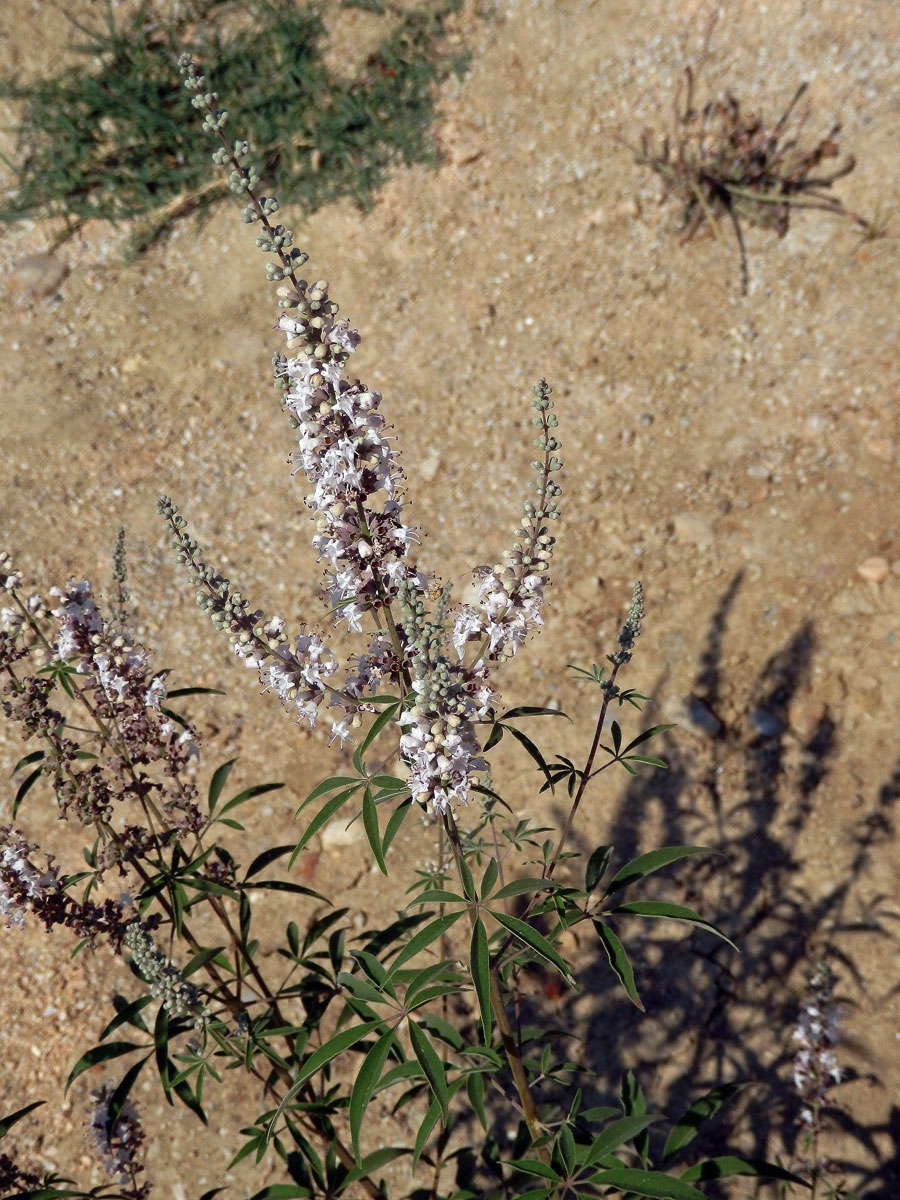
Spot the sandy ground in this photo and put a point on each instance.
(739, 454)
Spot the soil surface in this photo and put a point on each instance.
(737, 453)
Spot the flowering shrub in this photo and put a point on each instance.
(358, 1013)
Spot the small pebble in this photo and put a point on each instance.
(428, 465)
(882, 448)
(337, 835)
(805, 714)
(38, 275)
(874, 569)
(691, 529)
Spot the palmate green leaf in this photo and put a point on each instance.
(49, 1193)
(442, 1029)
(318, 929)
(730, 1165)
(322, 817)
(480, 967)
(128, 1014)
(177, 693)
(374, 968)
(616, 730)
(530, 936)
(262, 860)
(634, 1104)
(361, 988)
(619, 962)
(388, 785)
(217, 783)
(616, 1134)
(120, 1095)
(422, 982)
(438, 896)
(597, 866)
(646, 759)
(397, 817)
(339, 1044)
(565, 1145)
(672, 912)
(424, 938)
(24, 788)
(281, 1191)
(696, 1116)
(534, 1166)
(7, 1122)
(374, 730)
(432, 1066)
(286, 885)
(364, 1085)
(161, 1048)
(646, 735)
(429, 1122)
(28, 759)
(639, 1182)
(370, 824)
(467, 879)
(493, 737)
(489, 879)
(519, 887)
(374, 1162)
(206, 887)
(531, 710)
(475, 1092)
(333, 784)
(531, 749)
(250, 793)
(646, 864)
(100, 1054)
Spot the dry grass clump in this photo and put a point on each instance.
(721, 160)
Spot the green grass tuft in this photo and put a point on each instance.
(111, 138)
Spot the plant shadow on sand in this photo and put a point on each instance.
(716, 1017)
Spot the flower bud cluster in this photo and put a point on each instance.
(347, 458)
(10, 580)
(17, 633)
(127, 697)
(511, 594)
(631, 630)
(166, 983)
(297, 673)
(110, 655)
(438, 740)
(119, 1137)
(815, 1063)
(27, 888)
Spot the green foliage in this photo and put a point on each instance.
(112, 138)
(424, 1008)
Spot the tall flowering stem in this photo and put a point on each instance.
(630, 632)
(510, 595)
(355, 498)
(815, 1068)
